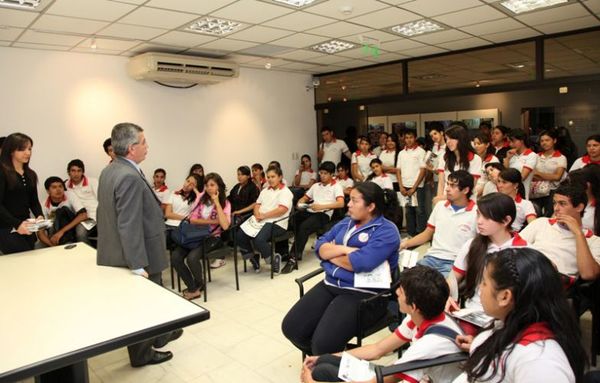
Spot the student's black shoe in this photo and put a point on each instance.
(158, 357)
(276, 265)
(290, 266)
(255, 261)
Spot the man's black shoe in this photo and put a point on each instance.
(157, 358)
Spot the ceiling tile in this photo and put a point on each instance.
(569, 11)
(263, 61)
(328, 59)
(192, 6)
(183, 39)
(251, 11)
(389, 56)
(441, 37)
(7, 43)
(339, 29)
(358, 53)
(46, 47)
(110, 44)
(593, 5)
(470, 16)
(95, 51)
(242, 59)
(158, 18)
(9, 34)
(205, 52)
(430, 8)
(14, 18)
(300, 55)
(297, 66)
(137, 2)
(49, 38)
(228, 45)
(385, 18)
(265, 50)
(400, 45)
(90, 9)
(569, 25)
(354, 63)
(259, 34)
(464, 44)
(495, 26)
(332, 8)
(143, 48)
(377, 35)
(299, 21)
(299, 40)
(423, 51)
(131, 31)
(516, 34)
(397, 2)
(68, 24)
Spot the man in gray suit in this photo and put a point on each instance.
(131, 226)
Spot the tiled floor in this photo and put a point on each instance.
(242, 341)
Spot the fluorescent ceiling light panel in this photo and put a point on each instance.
(521, 6)
(214, 27)
(333, 46)
(417, 28)
(295, 3)
(20, 4)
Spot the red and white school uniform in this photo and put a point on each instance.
(451, 229)
(437, 152)
(411, 161)
(582, 162)
(162, 193)
(426, 347)
(587, 221)
(332, 151)
(557, 243)
(460, 264)
(271, 198)
(474, 167)
(388, 158)
(489, 159)
(306, 176)
(265, 185)
(203, 211)
(364, 162)
(87, 192)
(525, 209)
(69, 200)
(345, 182)
(383, 181)
(321, 193)
(526, 160)
(180, 206)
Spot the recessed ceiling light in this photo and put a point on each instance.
(516, 65)
(520, 6)
(333, 46)
(20, 4)
(417, 28)
(214, 27)
(295, 3)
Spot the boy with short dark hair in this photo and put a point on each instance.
(411, 162)
(86, 190)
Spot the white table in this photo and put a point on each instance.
(59, 308)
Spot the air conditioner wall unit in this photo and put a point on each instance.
(181, 69)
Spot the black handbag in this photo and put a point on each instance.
(189, 235)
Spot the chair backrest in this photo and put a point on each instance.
(382, 371)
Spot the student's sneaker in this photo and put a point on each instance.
(255, 261)
(217, 263)
(290, 266)
(276, 265)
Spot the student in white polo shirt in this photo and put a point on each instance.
(159, 186)
(451, 223)
(483, 148)
(592, 146)
(509, 183)
(520, 157)
(589, 179)
(379, 176)
(86, 189)
(361, 160)
(315, 209)
(536, 337)
(273, 204)
(572, 249)
(551, 168)
(343, 178)
(305, 176)
(331, 149)
(412, 168)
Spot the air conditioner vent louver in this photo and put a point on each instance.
(180, 69)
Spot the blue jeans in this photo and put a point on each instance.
(416, 217)
(442, 265)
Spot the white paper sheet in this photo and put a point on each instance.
(378, 278)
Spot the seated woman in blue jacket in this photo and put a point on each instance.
(324, 319)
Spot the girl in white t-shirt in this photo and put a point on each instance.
(361, 160)
(549, 170)
(481, 144)
(536, 336)
(492, 171)
(379, 176)
(181, 202)
(389, 157)
(510, 183)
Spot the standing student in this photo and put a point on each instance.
(500, 142)
(379, 176)
(273, 204)
(389, 159)
(381, 143)
(592, 146)
(438, 149)
(549, 170)
(258, 176)
(412, 166)
(535, 337)
(331, 149)
(481, 144)
(160, 187)
(509, 183)
(108, 149)
(458, 156)
(361, 160)
(18, 195)
(522, 158)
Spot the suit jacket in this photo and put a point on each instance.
(131, 228)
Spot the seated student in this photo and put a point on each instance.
(315, 209)
(549, 171)
(214, 213)
(411, 162)
(592, 146)
(160, 187)
(258, 176)
(305, 176)
(86, 189)
(325, 318)
(181, 202)
(451, 223)
(483, 148)
(589, 179)
(509, 183)
(421, 294)
(500, 142)
(536, 337)
(492, 170)
(65, 210)
(361, 160)
(379, 176)
(572, 249)
(495, 214)
(522, 158)
(244, 194)
(108, 149)
(273, 204)
(343, 178)
(278, 165)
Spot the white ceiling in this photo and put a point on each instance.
(279, 34)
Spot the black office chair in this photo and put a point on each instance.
(383, 371)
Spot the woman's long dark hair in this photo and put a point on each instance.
(191, 197)
(589, 175)
(385, 200)
(193, 169)
(485, 139)
(373, 161)
(459, 132)
(513, 176)
(494, 206)
(538, 296)
(206, 199)
(13, 143)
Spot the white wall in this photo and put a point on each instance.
(69, 102)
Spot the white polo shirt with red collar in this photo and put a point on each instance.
(460, 264)
(364, 162)
(426, 347)
(162, 193)
(306, 176)
(526, 160)
(87, 192)
(321, 193)
(525, 210)
(474, 167)
(69, 200)
(383, 181)
(587, 221)
(451, 229)
(388, 158)
(411, 161)
(549, 164)
(582, 162)
(332, 151)
(557, 243)
(345, 182)
(270, 198)
(489, 159)
(437, 152)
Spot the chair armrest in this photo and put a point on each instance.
(300, 281)
(381, 371)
